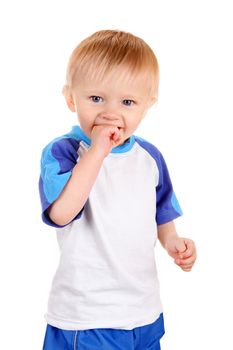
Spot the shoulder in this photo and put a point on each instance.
(150, 148)
(62, 146)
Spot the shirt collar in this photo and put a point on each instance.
(127, 145)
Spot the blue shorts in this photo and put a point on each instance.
(141, 338)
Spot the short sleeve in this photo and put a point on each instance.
(167, 205)
(57, 161)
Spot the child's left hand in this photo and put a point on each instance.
(183, 251)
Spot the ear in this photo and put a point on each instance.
(152, 101)
(69, 98)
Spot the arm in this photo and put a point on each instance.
(76, 191)
(73, 196)
(182, 250)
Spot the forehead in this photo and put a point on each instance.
(119, 79)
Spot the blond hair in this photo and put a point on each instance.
(105, 50)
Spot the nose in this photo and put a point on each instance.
(109, 116)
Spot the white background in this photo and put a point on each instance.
(191, 125)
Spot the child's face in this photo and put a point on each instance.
(115, 100)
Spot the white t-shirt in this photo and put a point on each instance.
(107, 275)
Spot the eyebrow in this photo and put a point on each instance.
(94, 92)
(101, 93)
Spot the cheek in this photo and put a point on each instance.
(137, 116)
(85, 111)
(143, 112)
(90, 109)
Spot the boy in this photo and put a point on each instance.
(109, 194)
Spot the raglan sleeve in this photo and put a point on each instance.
(57, 162)
(167, 205)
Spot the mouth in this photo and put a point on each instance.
(119, 127)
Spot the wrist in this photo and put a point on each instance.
(97, 152)
(167, 233)
(169, 241)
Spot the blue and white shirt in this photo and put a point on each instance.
(107, 275)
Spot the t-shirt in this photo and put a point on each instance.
(107, 277)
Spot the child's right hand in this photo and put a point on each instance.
(105, 137)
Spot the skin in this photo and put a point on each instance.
(109, 111)
(181, 249)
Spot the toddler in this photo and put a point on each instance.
(109, 195)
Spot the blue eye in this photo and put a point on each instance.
(96, 99)
(128, 102)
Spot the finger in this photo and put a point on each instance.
(115, 133)
(190, 249)
(186, 269)
(119, 139)
(180, 246)
(116, 140)
(115, 137)
(187, 261)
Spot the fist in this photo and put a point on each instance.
(183, 251)
(106, 137)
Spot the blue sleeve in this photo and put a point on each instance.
(167, 205)
(58, 159)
